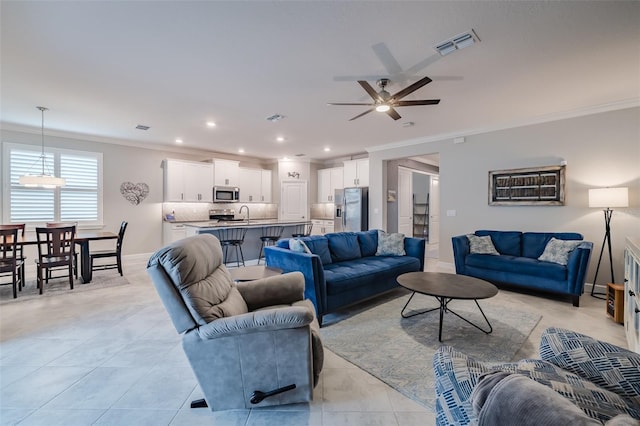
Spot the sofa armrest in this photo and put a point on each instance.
(277, 290)
(578, 266)
(415, 247)
(252, 322)
(311, 268)
(460, 252)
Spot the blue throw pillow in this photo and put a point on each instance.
(368, 242)
(318, 244)
(343, 246)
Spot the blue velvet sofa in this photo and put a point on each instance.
(343, 268)
(517, 263)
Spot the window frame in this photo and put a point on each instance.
(56, 152)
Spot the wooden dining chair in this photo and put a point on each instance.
(11, 261)
(19, 248)
(117, 253)
(75, 255)
(55, 250)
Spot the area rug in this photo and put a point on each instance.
(399, 351)
(59, 286)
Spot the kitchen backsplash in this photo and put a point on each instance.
(322, 211)
(194, 212)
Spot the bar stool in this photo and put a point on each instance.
(231, 237)
(303, 230)
(270, 234)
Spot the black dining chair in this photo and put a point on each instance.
(75, 255)
(55, 250)
(11, 260)
(116, 253)
(302, 230)
(270, 234)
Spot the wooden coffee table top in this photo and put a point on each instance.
(251, 273)
(451, 286)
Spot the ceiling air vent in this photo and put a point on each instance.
(275, 117)
(142, 127)
(299, 155)
(458, 42)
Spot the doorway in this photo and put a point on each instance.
(293, 200)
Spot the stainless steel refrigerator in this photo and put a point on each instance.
(351, 209)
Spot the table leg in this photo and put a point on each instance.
(85, 270)
(469, 322)
(418, 312)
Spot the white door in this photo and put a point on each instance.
(434, 210)
(405, 202)
(293, 200)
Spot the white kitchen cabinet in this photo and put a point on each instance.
(356, 173)
(226, 173)
(632, 293)
(321, 227)
(255, 185)
(173, 232)
(328, 181)
(188, 181)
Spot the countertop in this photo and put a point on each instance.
(254, 223)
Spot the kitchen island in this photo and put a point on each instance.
(252, 243)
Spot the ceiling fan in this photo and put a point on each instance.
(383, 101)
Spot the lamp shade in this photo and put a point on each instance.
(42, 181)
(609, 197)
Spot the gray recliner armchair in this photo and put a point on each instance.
(249, 344)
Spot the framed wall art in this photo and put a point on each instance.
(527, 187)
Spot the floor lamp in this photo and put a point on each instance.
(607, 198)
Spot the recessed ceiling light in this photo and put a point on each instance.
(280, 139)
(327, 149)
(241, 150)
(178, 140)
(211, 124)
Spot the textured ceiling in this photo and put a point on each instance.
(103, 67)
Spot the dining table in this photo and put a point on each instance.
(82, 239)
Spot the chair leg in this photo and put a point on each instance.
(119, 263)
(71, 276)
(241, 254)
(40, 279)
(15, 276)
(260, 254)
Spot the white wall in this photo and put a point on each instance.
(600, 149)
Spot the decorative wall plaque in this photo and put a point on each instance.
(134, 192)
(526, 187)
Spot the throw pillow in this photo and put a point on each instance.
(481, 245)
(390, 244)
(557, 251)
(298, 246)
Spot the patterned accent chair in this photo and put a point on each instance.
(601, 379)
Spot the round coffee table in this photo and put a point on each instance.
(445, 288)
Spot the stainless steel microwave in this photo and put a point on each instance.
(226, 194)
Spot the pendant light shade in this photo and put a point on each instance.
(43, 180)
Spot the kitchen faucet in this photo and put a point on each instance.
(244, 206)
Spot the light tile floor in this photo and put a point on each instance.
(112, 357)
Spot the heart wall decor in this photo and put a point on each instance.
(134, 192)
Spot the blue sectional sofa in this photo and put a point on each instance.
(343, 268)
(517, 264)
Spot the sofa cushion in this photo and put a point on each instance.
(558, 251)
(609, 366)
(533, 243)
(519, 265)
(481, 245)
(457, 374)
(318, 244)
(344, 276)
(343, 246)
(390, 244)
(506, 242)
(368, 242)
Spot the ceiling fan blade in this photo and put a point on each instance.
(393, 114)
(411, 88)
(360, 115)
(414, 103)
(370, 90)
(350, 103)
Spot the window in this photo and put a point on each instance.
(80, 200)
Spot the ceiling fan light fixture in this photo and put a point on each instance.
(383, 108)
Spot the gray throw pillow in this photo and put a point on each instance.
(390, 244)
(481, 245)
(558, 251)
(298, 246)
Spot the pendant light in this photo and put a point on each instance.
(42, 180)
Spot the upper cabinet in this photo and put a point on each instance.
(255, 185)
(328, 181)
(188, 181)
(226, 173)
(356, 173)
